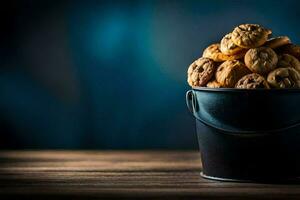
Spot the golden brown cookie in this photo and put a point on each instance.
(213, 84)
(252, 81)
(200, 72)
(284, 78)
(291, 49)
(261, 60)
(229, 72)
(213, 52)
(286, 60)
(277, 42)
(227, 47)
(250, 35)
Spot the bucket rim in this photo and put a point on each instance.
(234, 90)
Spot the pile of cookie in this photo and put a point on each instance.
(246, 58)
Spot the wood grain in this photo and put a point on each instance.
(120, 174)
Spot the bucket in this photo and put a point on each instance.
(247, 135)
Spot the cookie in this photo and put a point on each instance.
(261, 60)
(229, 72)
(252, 81)
(286, 60)
(227, 46)
(250, 35)
(284, 78)
(213, 52)
(200, 72)
(213, 84)
(291, 49)
(277, 42)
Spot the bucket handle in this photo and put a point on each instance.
(190, 101)
(193, 106)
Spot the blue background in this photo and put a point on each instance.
(112, 74)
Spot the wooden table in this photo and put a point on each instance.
(121, 174)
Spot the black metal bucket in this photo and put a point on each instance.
(248, 135)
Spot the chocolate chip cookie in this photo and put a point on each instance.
(213, 52)
(286, 60)
(284, 78)
(291, 49)
(213, 84)
(252, 81)
(261, 60)
(227, 46)
(229, 72)
(247, 58)
(200, 72)
(277, 42)
(250, 35)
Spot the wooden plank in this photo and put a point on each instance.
(119, 174)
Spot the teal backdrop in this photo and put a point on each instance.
(112, 74)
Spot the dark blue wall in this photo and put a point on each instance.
(105, 75)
